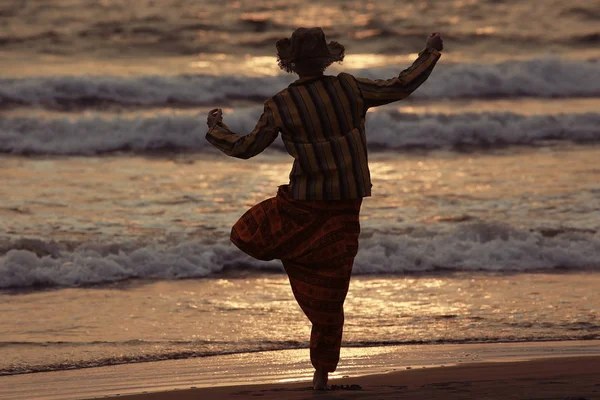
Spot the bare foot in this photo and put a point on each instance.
(320, 380)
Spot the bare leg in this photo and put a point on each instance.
(320, 380)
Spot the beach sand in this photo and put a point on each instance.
(565, 378)
(519, 370)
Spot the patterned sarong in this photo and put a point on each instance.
(317, 242)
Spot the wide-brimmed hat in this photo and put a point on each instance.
(308, 44)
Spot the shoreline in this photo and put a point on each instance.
(285, 370)
(571, 378)
(349, 347)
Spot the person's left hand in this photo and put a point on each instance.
(214, 117)
(435, 41)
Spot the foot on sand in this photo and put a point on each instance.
(320, 380)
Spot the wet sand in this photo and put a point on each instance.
(521, 370)
(564, 378)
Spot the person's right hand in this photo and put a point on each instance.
(435, 41)
(214, 116)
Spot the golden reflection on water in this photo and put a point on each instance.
(201, 194)
(259, 312)
(253, 65)
(379, 297)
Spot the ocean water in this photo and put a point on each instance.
(115, 212)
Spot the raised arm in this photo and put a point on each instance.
(379, 92)
(232, 144)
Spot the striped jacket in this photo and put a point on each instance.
(322, 124)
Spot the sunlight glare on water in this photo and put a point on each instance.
(167, 318)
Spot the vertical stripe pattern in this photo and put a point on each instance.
(322, 124)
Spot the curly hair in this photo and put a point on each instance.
(287, 62)
(311, 64)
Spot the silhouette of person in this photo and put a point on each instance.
(312, 224)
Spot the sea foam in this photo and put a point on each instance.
(474, 246)
(545, 77)
(386, 129)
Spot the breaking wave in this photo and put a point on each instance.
(386, 129)
(474, 246)
(546, 77)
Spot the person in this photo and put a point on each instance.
(312, 224)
